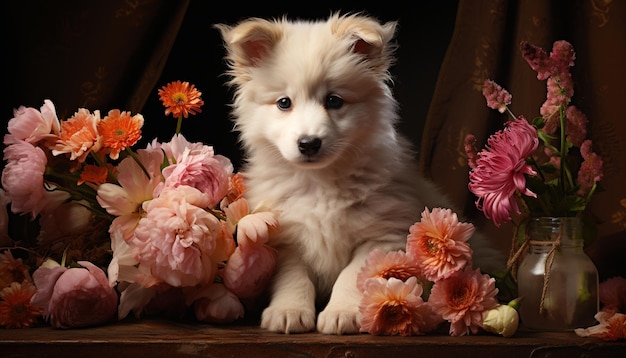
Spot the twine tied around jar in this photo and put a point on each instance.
(516, 253)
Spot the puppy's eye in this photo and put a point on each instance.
(333, 102)
(283, 103)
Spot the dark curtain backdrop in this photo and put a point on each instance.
(110, 54)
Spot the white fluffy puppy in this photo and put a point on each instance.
(316, 118)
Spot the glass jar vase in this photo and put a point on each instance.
(557, 280)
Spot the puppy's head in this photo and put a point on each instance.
(309, 92)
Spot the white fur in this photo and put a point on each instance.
(361, 190)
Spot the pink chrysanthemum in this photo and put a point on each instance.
(439, 243)
(463, 299)
(395, 307)
(500, 170)
(497, 97)
(397, 264)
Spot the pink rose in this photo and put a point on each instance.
(75, 297)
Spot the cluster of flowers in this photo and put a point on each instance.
(169, 222)
(531, 164)
(413, 291)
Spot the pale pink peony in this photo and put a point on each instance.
(124, 200)
(75, 297)
(134, 298)
(439, 243)
(177, 237)
(79, 135)
(175, 148)
(33, 126)
(248, 271)
(397, 264)
(23, 180)
(395, 307)
(500, 170)
(464, 300)
(611, 327)
(202, 170)
(215, 304)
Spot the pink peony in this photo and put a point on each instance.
(248, 271)
(395, 307)
(124, 200)
(500, 170)
(33, 126)
(177, 237)
(439, 243)
(464, 300)
(23, 180)
(611, 327)
(202, 170)
(75, 297)
(215, 304)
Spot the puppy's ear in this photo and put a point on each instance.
(250, 41)
(369, 38)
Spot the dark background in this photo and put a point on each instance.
(423, 35)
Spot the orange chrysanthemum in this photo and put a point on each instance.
(16, 311)
(12, 270)
(439, 243)
(119, 131)
(397, 264)
(93, 174)
(78, 135)
(180, 99)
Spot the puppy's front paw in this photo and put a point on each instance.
(288, 320)
(339, 321)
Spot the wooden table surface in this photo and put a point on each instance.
(161, 338)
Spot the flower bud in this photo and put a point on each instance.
(502, 320)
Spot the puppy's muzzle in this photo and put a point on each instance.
(309, 145)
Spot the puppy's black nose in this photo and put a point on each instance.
(309, 145)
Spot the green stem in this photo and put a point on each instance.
(179, 124)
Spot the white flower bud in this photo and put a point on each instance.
(502, 320)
